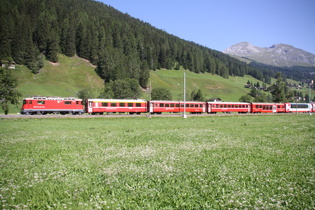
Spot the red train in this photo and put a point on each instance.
(49, 105)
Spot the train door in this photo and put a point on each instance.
(274, 108)
(151, 107)
(90, 108)
(287, 107)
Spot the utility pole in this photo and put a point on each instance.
(309, 97)
(184, 115)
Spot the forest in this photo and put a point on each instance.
(122, 47)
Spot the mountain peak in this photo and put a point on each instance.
(276, 54)
(242, 49)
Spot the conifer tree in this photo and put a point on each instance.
(144, 74)
(278, 89)
(5, 35)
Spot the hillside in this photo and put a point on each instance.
(119, 45)
(277, 54)
(212, 86)
(70, 75)
(63, 79)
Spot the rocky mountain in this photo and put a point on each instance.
(277, 54)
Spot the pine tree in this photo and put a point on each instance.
(5, 35)
(68, 37)
(52, 47)
(145, 74)
(278, 89)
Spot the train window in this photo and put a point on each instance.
(138, 104)
(104, 104)
(224, 105)
(217, 106)
(130, 104)
(299, 106)
(167, 105)
(182, 105)
(229, 106)
(187, 105)
(161, 105)
(201, 105)
(177, 105)
(113, 104)
(191, 105)
(172, 105)
(68, 102)
(260, 106)
(122, 104)
(40, 102)
(196, 105)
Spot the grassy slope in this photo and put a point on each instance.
(64, 79)
(211, 85)
(73, 74)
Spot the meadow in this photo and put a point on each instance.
(213, 162)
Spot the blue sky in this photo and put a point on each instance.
(219, 24)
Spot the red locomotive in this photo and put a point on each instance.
(50, 105)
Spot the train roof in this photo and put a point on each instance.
(117, 100)
(166, 101)
(52, 98)
(267, 103)
(221, 102)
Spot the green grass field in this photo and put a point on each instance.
(213, 162)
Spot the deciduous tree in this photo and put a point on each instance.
(161, 94)
(8, 92)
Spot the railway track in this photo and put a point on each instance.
(141, 115)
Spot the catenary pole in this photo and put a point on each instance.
(184, 115)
